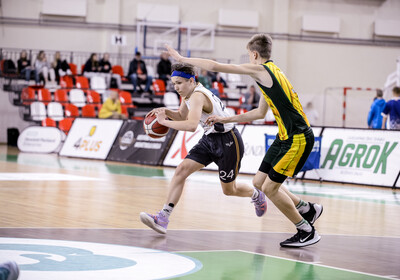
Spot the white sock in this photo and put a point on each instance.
(303, 207)
(255, 193)
(167, 210)
(304, 225)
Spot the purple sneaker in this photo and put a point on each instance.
(157, 222)
(260, 204)
(12, 268)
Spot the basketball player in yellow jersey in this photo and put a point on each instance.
(293, 144)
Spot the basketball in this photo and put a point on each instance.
(153, 128)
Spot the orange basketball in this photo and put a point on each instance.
(153, 128)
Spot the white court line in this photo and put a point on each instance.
(271, 256)
(44, 177)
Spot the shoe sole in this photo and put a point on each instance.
(149, 221)
(316, 239)
(317, 216)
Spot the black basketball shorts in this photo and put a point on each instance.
(225, 149)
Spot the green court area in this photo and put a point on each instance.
(241, 265)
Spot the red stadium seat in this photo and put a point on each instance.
(93, 97)
(125, 97)
(158, 87)
(70, 110)
(28, 96)
(65, 124)
(44, 95)
(61, 96)
(117, 69)
(220, 87)
(49, 122)
(82, 82)
(66, 82)
(126, 102)
(88, 111)
(73, 68)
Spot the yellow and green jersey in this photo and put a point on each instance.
(284, 103)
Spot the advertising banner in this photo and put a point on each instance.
(135, 146)
(183, 142)
(91, 138)
(254, 146)
(38, 139)
(370, 157)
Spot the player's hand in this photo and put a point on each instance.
(161, 116)
(211, 120)
(172, 52)
(155, 111)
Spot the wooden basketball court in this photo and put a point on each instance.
(51, 199)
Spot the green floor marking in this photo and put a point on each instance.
(240, 265)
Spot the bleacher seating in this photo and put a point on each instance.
(55, 111)
(28, 96)
(49, 122)
(61, 96)
(66, 82)
(73, 68)
(93, 97)
(171, 100)
(82, 82)
(65, 124)
(117, 69)
(158, 87)
(88, 111)
(37, 111)
(77, 97)
(98, 83)
(44, 95)
(220, 87)
(71, 111)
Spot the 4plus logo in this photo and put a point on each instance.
(183, 150)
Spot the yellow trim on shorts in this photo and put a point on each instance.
(288, 163)
(237, 152)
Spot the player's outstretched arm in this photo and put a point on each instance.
(255, 114)
(211, 65)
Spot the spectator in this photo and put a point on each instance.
(92, 64)
(138, 73)
(250, 99)
(164, 68)
(375, 113)
(216, 77)
(9, 271)
(111, 108)
(392, 109)
(61, 67)
(311, 113)
(42, 68)
(205, 80)
(24, 66)
(105, 69)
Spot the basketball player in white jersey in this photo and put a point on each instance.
(221, 143)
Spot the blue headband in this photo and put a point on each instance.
(182, 74)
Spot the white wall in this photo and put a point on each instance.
(311, 67)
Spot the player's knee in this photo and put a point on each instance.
(228, 192)
(270, 189)
(181, 171)
(257, 183)
(229, 189)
